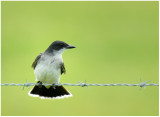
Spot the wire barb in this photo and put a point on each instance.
(143, 84)
(83, 84)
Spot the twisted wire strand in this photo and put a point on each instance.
(141, 84)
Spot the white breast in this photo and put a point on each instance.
(48, 69)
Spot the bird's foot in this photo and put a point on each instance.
(39, 84)
(54, 85)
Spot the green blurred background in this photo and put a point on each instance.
(117, 42)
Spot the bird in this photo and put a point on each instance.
(48, 67)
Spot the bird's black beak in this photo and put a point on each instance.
(70, 47)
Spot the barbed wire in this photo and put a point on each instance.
(141, 84)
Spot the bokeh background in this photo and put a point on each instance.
(117, 42)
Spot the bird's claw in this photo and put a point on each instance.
(39, 84)
(54, 85)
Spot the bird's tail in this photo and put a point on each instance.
(51, 92)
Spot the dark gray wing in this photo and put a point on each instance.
(36, 60)
(63, 70)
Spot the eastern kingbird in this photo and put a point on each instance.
(48, 67)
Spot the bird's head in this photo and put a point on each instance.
(59, 47)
